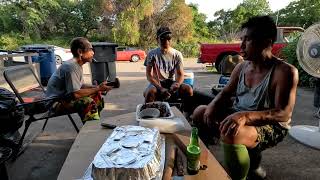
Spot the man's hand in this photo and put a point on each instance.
(174, 87)
(103, 87)
(232, 124)
(165, 93)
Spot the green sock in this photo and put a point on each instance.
(236, 160)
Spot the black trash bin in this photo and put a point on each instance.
(103, 68)
(46, 60)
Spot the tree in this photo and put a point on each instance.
(228, 22)
(200, 27)
(301, 13)
(33, 15)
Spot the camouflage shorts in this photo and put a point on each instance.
(88, 107)
(270, 135)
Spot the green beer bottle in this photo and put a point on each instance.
(193, 153)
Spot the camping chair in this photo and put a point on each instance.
(31, 94)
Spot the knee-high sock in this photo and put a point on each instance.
(236, 160)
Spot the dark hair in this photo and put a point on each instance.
(263, 27)
(79, 43)
(163, 30)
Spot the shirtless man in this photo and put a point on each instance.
(264, 88)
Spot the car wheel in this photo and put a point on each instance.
(217, 64)
(58, 60)
(135, 58)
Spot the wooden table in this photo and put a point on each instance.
(92, 136)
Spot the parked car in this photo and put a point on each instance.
(62, 54)
(215, 53)
(130, 54)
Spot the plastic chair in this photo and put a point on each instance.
(31, 94)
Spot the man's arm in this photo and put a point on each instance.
(285, 97)
(85, 92)
(88, 86)
(151, 78)
(89, 91)
(179, 75)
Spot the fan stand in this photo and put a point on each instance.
(307, 135)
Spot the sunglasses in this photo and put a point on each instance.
(166, 37)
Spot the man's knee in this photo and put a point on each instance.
(150, 94)
(247, 136)
(150, 91)
(197, 115)
(186, 90)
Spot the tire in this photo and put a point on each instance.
(58, 60)
(218, 61)
(135, 58)
(217, 64)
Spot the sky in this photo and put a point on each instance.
(209, 7)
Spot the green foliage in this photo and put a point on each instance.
(13, 41)
(201, 29)
(228, 22)
(301, 13)
(290, 55)
(188, 49)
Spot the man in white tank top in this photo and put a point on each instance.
(264, 88)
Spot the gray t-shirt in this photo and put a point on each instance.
(167, 63)
(67, 79)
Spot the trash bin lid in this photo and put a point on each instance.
(37, 47)
(104, 44)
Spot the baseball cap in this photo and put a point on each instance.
(163, 31)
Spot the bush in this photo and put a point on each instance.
(289, 52)
(188, 49)
(13, 41)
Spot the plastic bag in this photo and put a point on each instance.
(163, 125)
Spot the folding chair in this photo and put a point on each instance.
(31, 94)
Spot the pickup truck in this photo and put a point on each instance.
(215, 53)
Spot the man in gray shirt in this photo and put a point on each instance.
(68, 81)
(164, 70)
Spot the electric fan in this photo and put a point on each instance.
(308, 54)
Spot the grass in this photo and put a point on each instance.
(211, 69)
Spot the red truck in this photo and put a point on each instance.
(214, 53)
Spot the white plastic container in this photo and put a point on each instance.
(168, 124)
(138, 109)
